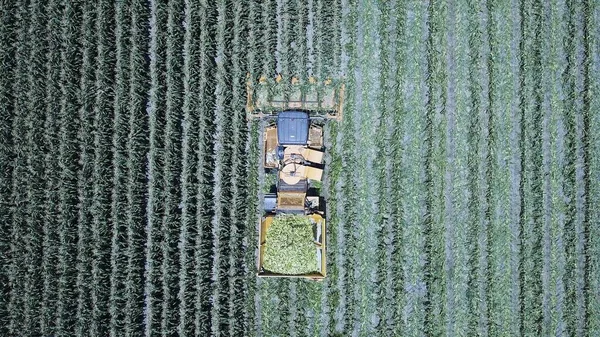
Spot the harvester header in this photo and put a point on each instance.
(268, 96)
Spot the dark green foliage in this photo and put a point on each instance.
(119, 169)
(51, 170)
(68, 163)
(103, 168)
(8, 32)
(85, 139)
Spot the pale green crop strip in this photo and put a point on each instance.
(412, 207)
(435, 276)
(505, 166)
(593, 174)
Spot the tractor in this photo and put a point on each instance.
(294, 114)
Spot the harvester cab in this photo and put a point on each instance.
(293, 147)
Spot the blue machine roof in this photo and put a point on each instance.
(292, 128)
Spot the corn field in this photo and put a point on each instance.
(462, 186)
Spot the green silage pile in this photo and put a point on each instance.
(290, 247)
